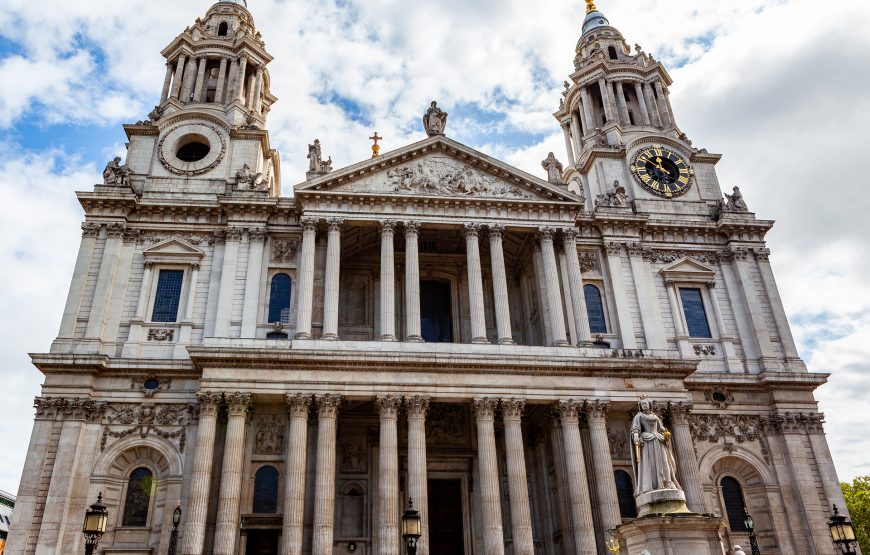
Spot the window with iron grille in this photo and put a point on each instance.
(595, 309)
(279, 299)
(168, 296)
(696, 315)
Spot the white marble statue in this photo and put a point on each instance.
(554, 169)
(315, 156)
(435, 120)
(652, 459)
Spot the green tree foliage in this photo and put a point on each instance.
(858, 500)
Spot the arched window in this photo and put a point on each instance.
(223, 29)
(625, 494)
(138, 499)
(279, 299)
(735, 505)
(266, 490)
(595, 309)
(611, 50)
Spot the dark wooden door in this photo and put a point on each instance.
(263, 542)
(436, 314)
(446, 535)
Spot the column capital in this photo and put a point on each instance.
(209, 402)
(417, 407)
(545, 233)
(335, 224)
(388, 405)
(569, 234)
(495, 230)
(512, 409)
(257, 234)
(327, 405)
(484, 408)
(567, 410)
(634, 249)
(471, 230)
(298, 405)
(309, 223)
(91, 229)
(679, 412)
(613, 248)
(233, 234)
(412, 227)
(596, 409)
(238, 404)
(387, 227)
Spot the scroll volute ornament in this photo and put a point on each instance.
(298, 405)
(417, 406)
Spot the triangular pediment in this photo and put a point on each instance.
(438, 167)
(173, 248)
(687, 269)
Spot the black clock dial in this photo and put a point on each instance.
(662, 171)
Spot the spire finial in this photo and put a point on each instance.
(590, 6)
(376, 148)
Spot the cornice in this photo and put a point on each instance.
(768, 381)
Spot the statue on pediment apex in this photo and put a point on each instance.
(554, 169)
(435, 120)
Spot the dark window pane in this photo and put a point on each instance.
(168, 296)
(436, 314)
(279, 299)
(138, 498)
(595, 309)
(266, 490)
(696, 316)
(625, 494)
(732, 494)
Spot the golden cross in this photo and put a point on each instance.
(375, 148)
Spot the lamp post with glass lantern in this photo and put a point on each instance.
(173, 538)
(750, 527)
(96, 519)
(412, 527)
(842, 532)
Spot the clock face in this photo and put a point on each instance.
(662, 171)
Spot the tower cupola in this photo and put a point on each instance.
(594, 18)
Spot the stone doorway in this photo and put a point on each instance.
(263, 542)
(446, 534)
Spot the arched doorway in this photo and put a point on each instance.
(436, 312)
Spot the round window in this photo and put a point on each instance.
(152, 384)
(193, 149)
(719, 397)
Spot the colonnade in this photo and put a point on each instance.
(186, 80)
(548, 281)
(574, 481)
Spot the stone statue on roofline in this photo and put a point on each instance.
(316, 165)
(434, 120)
(735, 202)
(554, 169)
(117, 175)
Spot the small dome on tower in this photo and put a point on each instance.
(242, 3)
(594, 19)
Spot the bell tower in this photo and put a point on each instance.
(621, 136)
(208, 132)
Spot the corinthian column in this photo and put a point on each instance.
(388, 479)
(554, 300)
(417, 484)
(239, 90)
(179, 76)
(167, 81)
(518, 485)
(200, 476)
(608, 501)
(324, 484)
(687, 461)
(575, 467)
(641, 102)
(388, 282)
(306, 278)
(227, 525)
(475, 284)
(330, 287)
(499, 286)
(667, 120)
(222, 79)
(606, 99)
(575, 286)
(412, 284)
(490, 498)
(200, 80)
(294, 481)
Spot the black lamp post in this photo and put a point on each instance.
(750, 526)
(96, 519)
(412, 527)
(173, 538)
(842, 532)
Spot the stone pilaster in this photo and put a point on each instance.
(412, 284)
(417, 482)
(388, 282)
(298, 406)
(90, 234)
(306, 278)
(331, 280)
(499, 285)
(251, 307)
(193, 540)
(475, 284)
(388, 479)
(109, 266)
(623, 311)
(575, 467)
(324, 485)
(227, 289)
(227, 524)
(575, 287)
(605, 486)
(521, 518)
(650, 316)
(490, 498)
(554, 296)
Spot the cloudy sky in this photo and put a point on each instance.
(781, 87)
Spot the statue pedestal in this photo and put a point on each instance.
(672, 534)
(661, 501)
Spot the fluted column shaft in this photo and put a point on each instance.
(388, 476)
(575, 286)
(652, 108)
(193, 539)
(608, 501)
(412, 283)
(581, 509)
(324, 484)
(227, 524)
(663, 105)
(231, 80)
(239, 91)
(499, 286)
(294, 474)
(189, 79)
(605, 99)
(179, 76)
(227, 287)
(306, 278)
(200, 79)
(417, 481)
(388, 282)
(518, 485)
(221, 82)
(587, 110)
(331, 280)
(475, 284)
(554, 301)
(251, 306)
(577, 134)
(644, 113)
(490, 497)
(569, 145)
(167, 82)
(687, 461)
(623, 106)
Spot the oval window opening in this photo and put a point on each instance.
(193, 151)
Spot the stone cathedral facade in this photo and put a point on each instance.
(430, 323)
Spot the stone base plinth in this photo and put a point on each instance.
(661, 501)
(674, 534)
